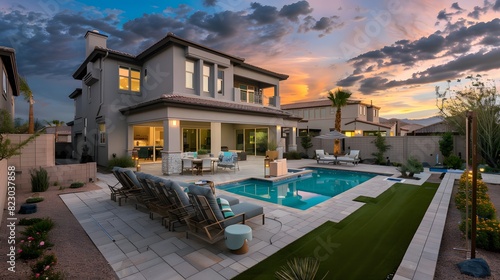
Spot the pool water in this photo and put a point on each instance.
(300, 192)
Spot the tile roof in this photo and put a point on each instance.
(313, 103)
(206, 104)
(371, 123)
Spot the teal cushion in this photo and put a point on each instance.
(225, 208)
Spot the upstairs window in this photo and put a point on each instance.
(130, 79)
(189, 74)
(220, 82)
(206, 78)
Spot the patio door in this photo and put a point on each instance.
(255, 140)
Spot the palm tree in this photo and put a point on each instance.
(28, 96)
(339, 100)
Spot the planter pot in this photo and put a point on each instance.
(272, 154)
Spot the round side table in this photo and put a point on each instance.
(236, 238)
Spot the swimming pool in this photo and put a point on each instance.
(302, 192)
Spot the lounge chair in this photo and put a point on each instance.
(228, 160)
(208, 222)
(128, 188)
(321, 157)
(351, 157)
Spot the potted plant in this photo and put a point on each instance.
(202, 153)
(271, 152)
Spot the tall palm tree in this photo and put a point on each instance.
(339, 99)
(28, 96)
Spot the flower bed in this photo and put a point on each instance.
(487, 226)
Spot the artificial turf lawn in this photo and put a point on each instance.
(369, 244)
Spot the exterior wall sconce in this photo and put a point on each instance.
(174, 123)
(357, 132)
(267, 164)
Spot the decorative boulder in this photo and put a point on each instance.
(27, 208)
(475, 267)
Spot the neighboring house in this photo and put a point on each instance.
(358, 118)
(9, 80)
(175, 96)
(434, 129)
(62, 133)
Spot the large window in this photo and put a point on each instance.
(194, 139)
(189, 74)
(130, 79)
(206, 78)
(220, 82)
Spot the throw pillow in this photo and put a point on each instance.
(225, 208)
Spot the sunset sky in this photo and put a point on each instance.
(389, 52)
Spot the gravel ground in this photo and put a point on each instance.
(78, 258)
(449, 257)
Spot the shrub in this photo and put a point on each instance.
(29, 221)
(44, 269)
(412, 167)
(39, 229)
(292, 155)
(35, 199)
(125, 161)
(39, 180)
(487, 227)
(453, 161)
(76, 185)
(382, 147)
(31, 248)
(487, 233)
(299, 268)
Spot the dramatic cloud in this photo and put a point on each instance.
(293, 11)
(263, 14)
(456, 47)
(456, 6)
(209, 3)
(443, 15)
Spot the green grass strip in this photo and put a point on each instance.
(369, 244)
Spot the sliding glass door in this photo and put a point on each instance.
(254, 140)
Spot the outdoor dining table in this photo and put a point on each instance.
(197, 163)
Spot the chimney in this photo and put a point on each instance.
(94, 39)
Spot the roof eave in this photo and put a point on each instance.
(13, 79)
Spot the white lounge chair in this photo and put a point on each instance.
(351, 157)
(321, 157)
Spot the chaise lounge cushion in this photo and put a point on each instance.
(207, 193)
(250, 210)
(168, 184)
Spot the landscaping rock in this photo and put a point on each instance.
(475, 267)
(27, 208)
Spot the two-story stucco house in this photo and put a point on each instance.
(9, 85)
(358, 118)
(173, 97)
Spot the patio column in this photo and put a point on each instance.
(171, 154)
(215, 138)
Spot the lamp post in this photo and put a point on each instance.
(267, 163)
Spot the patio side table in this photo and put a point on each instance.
(236, 238)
